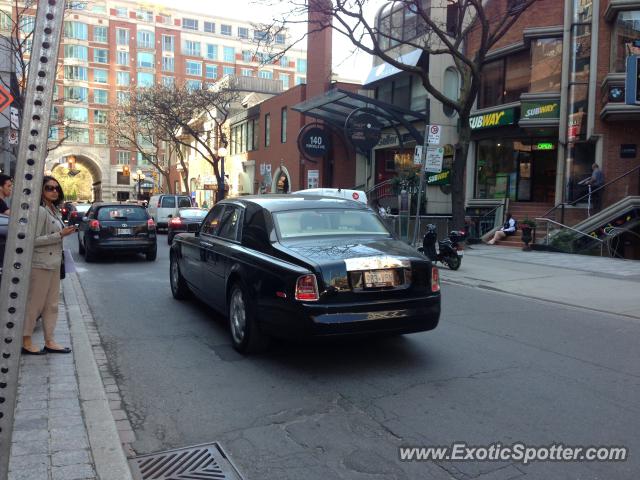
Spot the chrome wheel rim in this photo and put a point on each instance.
(238, 316)
(174, 275)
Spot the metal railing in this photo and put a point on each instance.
(403, 226)
(567, 242)
(381, 190)
(480, 225)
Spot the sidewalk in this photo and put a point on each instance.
(64, 426)
(607, 285)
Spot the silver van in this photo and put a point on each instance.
(164, 207)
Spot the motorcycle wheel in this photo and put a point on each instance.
(453, 262)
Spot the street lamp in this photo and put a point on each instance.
(138, 177)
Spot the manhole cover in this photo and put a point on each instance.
(202, 462)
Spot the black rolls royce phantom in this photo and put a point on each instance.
(304, 266)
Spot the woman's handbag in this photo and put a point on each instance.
(63, 273)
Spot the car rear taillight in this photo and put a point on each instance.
(435, 279)
(307, 288)
(151, 225)
(177, 221)
(94, 225)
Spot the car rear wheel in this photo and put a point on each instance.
(80, 246)
(89, 254)
(245, 331)
(179, 288)
(152, 254)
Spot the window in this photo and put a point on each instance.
(246, 72)
(165, 19)
(123, 157)
(301, 65)
(75, 5)
(76, 114)
(225, 30)
(229, 54)
(100, 34)
(76, 30)
(146, 59)
(77, 135)
(247, 56)
(267, 130)
(189, 24)
(168, 201)
(122, 97)
(301, 80)
(306, 223)
(146, 39)
(265, 74)
(284, 78)
(122, 12)
(123, 79)
(73, 72)
(193, 85)
(100, 137)
(101, 96)
(99, 9)
(168, 43)
(53, 133)
(228, 71)
(505, 79)
(284, 61)
(260, 35)
(145, 79)
(122, 58)
(168, 64)
(546, 58)
(193, 68)
(211, 71)
(144, 15)
(100, 117)
(122, 36)
(100, 75)
(6, 24)
(28, 23)
(491, 86)
(123, 179)
(229, 223)
(451, 89)
(79, 52)
(403, 23)
(211, 224)
(283, 125)
(243, 32)
(625, 31)
(101, 55)
(209, 27)
(191, 48)
(212, 52)
(168, 81)
(280, 38)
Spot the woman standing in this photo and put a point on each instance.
(44, 288)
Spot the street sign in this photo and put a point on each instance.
(417, 156)
(15, 118)
(6, 98)
(434, 159)
(433, 134)
(13, 137)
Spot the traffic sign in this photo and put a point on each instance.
(6, 98)
(433, 134)
(417, 156)
(13, 137)
(434, 159)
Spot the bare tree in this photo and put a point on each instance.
(443, 28)
(192, 119)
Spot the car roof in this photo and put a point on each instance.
(116, 204)
(280, 202)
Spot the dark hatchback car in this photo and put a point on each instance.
(304, 266)
(115, 228)
(187, 220)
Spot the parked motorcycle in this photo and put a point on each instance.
(450, 250)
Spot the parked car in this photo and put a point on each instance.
(4, 227)
(304, 266)
(79, 210)
(117, 227)
(187, 220)
(164, 207)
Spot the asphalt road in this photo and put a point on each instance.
(498, 369)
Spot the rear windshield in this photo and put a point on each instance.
(83, 208)
(168, 202)
(122, 213)
(184, 202)
(193, 213)
(325, 222)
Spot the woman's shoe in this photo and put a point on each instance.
(57, 350)
(32, 352)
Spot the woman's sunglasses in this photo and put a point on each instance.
(51, 188)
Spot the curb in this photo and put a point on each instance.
(106, 448)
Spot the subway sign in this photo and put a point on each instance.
(493, 119)
(535, 110)
(442, 178)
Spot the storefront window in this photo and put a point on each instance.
(546, 65)
(625, 31)
(496, 169)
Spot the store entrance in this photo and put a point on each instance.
(536, 175)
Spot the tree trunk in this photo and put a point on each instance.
(458, 175)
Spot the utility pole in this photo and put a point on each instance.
(30, 164)
(423, 165)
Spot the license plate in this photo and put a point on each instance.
(123, 231)
(379, 278)
(461, 253)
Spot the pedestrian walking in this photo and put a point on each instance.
(44, 287)
(6, 187)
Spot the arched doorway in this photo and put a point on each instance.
(78, 163)
(281, 181)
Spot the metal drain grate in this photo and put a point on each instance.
(202, 462)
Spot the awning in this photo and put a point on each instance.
(336, 105)
(385, 70)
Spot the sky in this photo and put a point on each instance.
(346, 63)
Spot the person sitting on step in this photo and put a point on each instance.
(508, 229)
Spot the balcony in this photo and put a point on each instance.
(612, 97)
